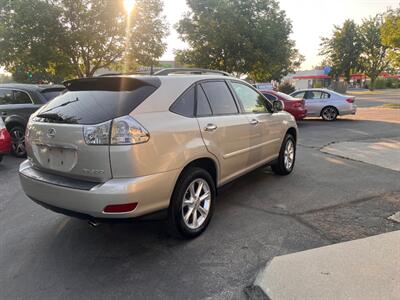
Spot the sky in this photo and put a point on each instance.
(311, 20)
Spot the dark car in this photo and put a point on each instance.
(17, 103)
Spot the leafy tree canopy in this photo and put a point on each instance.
(390, 33)
(374, 58)
(343, 49)
(239, 36)
(78, 37)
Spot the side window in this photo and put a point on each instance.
(270, 97)
(21, 98)
(185, 104)
(299, 95)
(6, 97)
(252, 101)
(325, 95)
(314, 95)
(203, 106)
(220, 97)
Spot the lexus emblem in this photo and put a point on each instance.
(51, 133)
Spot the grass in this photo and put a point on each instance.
(391, 105)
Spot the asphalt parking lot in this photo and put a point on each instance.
(326, 200)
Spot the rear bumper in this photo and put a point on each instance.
(351, 110)
(152, 193)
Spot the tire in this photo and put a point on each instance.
(284, 166)
(329, 113)
(17, 134)
(1, 158)
(198, 212)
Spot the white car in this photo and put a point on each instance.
(326, 103)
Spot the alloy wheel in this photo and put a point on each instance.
(329, 113)
(196, 203)
(289, 155)
(18, 142)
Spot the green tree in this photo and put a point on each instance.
(28, 30)
(343, 49)
(374, 57)
(238, 36)
(74, 38)
(148, 31)
(390, 33)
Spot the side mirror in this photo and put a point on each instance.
(278, 105)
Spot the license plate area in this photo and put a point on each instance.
(55, 158)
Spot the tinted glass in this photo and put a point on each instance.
(203, 107)
(299, 95)
(185, 104)
(6, 96)
(252, 101)
(220, 98)
(94, 101)
(51, 94)
(270, 97)
(314, 95)
(325, 95)
(21, 98)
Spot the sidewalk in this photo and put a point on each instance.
(361, 269)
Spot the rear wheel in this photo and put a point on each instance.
(287, 156)
(329, 113)
(192, 203)
(17, 134)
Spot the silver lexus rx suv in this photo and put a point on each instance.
(118, 147)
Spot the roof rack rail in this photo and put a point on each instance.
(168, 71)
(197, 71)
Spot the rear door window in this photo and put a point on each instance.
(203, 106)
(96, 100)
(6, 96)
(21, 98)
(185, 104)
(220, 97)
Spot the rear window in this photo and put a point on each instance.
(96, 100)
(51, 94)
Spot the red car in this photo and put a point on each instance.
(294, 106)
(5, 140)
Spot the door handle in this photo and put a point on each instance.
(210, 127)
(254, 122)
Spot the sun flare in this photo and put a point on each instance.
(129, 5)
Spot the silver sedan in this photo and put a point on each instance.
(326, 103)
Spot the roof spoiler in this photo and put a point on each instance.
(110, 83)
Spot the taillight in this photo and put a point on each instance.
(120, 131)
(127, 131)
(97, 134)
(350, 100)
(297, 104)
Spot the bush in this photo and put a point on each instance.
(380, 83)
(286, 87)
(392, 83)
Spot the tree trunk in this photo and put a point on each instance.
(372, 84)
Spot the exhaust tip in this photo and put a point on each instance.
(93, 223)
